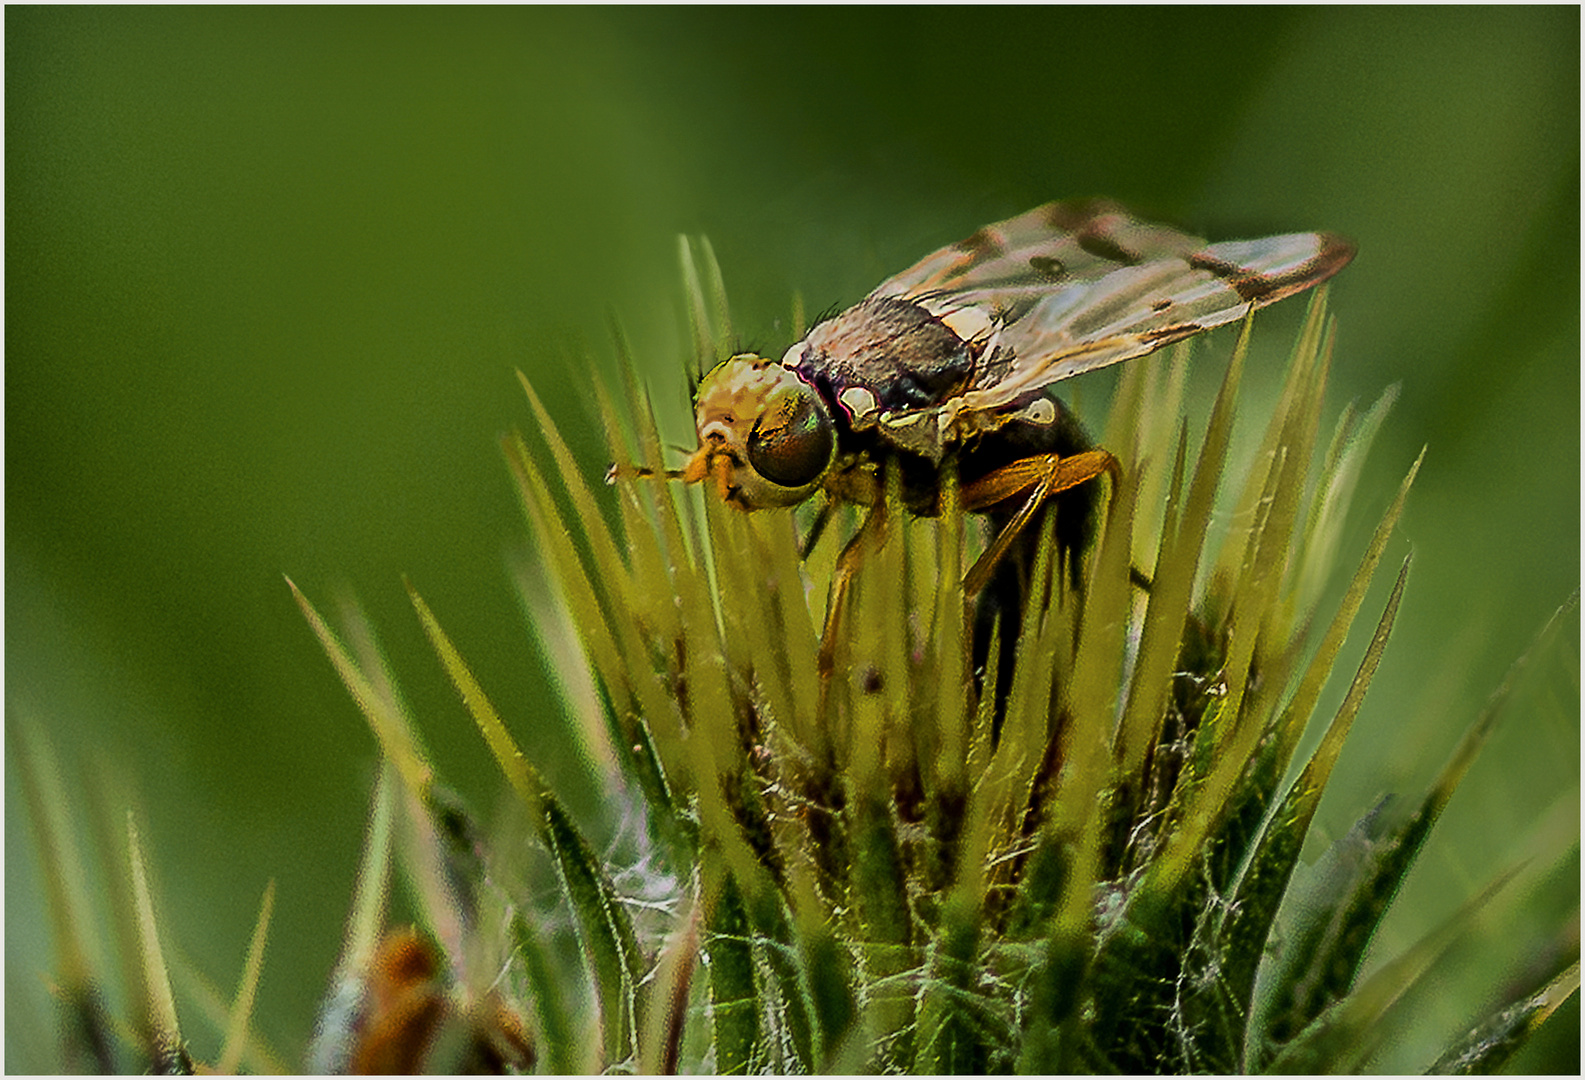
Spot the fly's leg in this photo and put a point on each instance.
(1042, 475)
(864, 544)
(1017, 497)
(817, 528)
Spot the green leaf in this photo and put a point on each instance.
(884, 926)
(1348, 1031)
(660, 1042)
(1091, 708)
(519, 773)
(950, 658)
(605, 616)
(1133, 982)
(242, 1009)
(1298, 382)
(86, 1027)
(1204, 804)
(1177, 564)
(699, 329)
(953, 1036)
(829, 969)
(708, 319)
(1240, 940)
(1490, 1044)
(715, 746)
(1334, 492)
(611, 571)
(734, 993)
(662, 567)
(376, 701)
(792, 1008)
(558, 1037)
(557, 547)
(1009, 770)
(1350, 890)
(334, 1028)
(604, 930)
(167, 1051)
(1336, 906)
(1297, 714)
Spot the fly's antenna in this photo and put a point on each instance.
(618, 471)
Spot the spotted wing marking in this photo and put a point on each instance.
(1073, 287)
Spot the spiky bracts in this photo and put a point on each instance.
(882, 869)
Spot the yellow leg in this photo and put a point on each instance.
(1042, 475)
(865, 543)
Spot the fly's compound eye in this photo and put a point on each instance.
(791, 442)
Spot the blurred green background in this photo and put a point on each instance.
(269, 272)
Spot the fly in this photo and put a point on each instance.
(949, 364)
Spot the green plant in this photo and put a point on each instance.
(878, 872)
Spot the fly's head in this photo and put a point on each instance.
(765, 436)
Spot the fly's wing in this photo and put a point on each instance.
(1026, 256)
(1076, 286)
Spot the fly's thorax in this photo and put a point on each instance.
(891, 367)
(894, 355)
(765, 435)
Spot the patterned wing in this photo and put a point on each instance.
(1071, 287)
(1058, 244)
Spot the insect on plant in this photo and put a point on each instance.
(949, 364)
